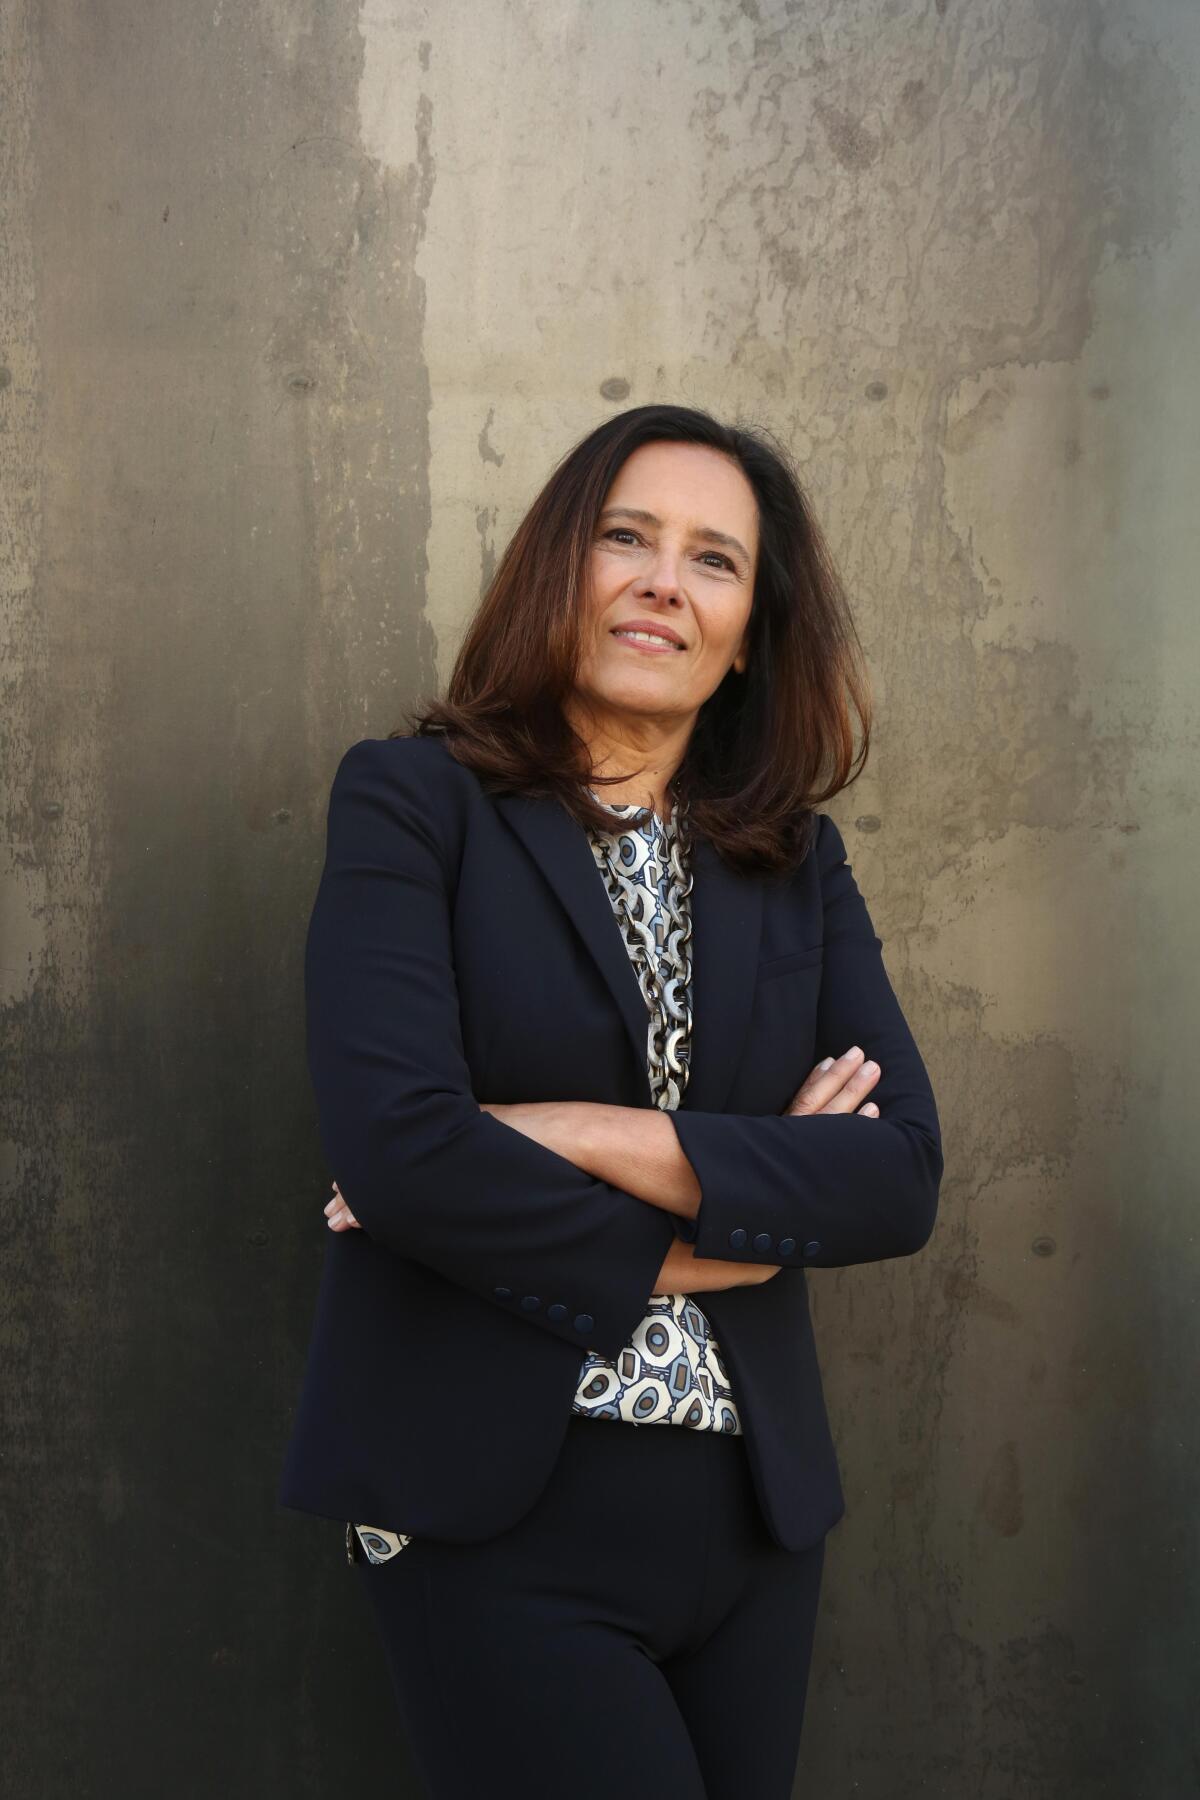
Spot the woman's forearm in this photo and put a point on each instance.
(635, 1148)
(683, 1272)
(631, 1147)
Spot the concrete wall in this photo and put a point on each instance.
(298, 303)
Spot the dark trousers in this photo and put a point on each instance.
(638, 1635)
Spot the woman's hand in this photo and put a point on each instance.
(338, 1215)
(838, 1086)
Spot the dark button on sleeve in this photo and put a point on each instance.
(530, 1302)
(762, 1241)
(557, 1312)
(737, 1238)
(584, 1322)
(786, 1246)
(502, 1293)
(812, 1248)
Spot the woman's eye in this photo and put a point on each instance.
(623, 531)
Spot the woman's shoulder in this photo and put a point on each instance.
(411, 777)
(423, 760)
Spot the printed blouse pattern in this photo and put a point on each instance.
(671, 1372)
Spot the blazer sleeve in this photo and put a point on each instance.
(828, 1189)
(423, 1169)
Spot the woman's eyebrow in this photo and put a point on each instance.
(707, 533)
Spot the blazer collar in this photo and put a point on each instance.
(726, 929)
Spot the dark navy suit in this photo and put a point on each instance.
(462, 948)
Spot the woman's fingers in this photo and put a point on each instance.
(838, 1084)
(337, 1214)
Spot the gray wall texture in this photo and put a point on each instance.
(299, 301)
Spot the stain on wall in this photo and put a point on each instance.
(299, 302)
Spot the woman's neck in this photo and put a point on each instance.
(654, 754)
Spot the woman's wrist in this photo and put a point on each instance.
(683, 1272)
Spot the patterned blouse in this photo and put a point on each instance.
(671, 1372)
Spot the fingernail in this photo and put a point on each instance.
(827, 1064)
(870, 1068)
(854, 1050)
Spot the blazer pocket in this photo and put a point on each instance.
(794, 959)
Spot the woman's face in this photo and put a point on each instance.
(674, 551)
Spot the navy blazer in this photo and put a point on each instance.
(462, 948)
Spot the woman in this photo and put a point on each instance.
(605, 1058)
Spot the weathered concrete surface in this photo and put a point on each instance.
(298, 303)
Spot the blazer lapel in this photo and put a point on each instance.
(559, 846)
(726, 927)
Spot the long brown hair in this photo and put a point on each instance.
(767, 747)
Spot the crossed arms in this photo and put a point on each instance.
(437, 1177)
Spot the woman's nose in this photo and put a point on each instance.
(663, 575)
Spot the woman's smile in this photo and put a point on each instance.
(646, 641)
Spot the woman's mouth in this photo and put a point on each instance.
(647, 640)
